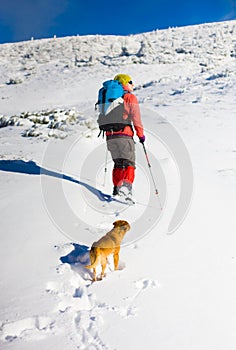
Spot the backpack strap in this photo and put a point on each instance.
(103, 100)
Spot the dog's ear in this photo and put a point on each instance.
(116, 223)
(119, 223)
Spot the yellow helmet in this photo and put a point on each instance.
(123, 78)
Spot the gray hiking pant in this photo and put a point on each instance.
(122, 150)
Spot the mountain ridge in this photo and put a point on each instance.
(160, 46)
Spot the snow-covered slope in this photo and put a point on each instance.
(171, 291)
(206, 43)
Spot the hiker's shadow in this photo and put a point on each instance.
(31, 168)
(78, 258)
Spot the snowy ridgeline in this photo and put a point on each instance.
(207, 43)
(57, 123)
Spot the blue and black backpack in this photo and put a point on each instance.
(111, 107)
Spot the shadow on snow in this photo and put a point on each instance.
(31, 168)
(78, 258)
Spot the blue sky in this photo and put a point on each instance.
(23, 19)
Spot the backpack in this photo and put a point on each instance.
(111, 107)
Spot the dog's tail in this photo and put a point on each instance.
(94, 255)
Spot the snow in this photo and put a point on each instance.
(175, 287)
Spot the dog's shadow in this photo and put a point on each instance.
(78, 258)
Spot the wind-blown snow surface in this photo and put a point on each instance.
(171, 291)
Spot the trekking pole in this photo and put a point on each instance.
(105, 169)
(149, 166)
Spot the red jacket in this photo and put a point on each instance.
(131, 109)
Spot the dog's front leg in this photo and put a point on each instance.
(94, 274)
(116, 258)
(104, 265)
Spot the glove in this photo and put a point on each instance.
(142, 139)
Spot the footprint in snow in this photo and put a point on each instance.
(144, 284)
(141, 286)
(87, 324)
(31, 328)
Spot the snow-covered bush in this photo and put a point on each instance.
(49, 123)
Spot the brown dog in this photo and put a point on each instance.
(107, 245)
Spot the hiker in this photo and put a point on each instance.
(120, 143)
